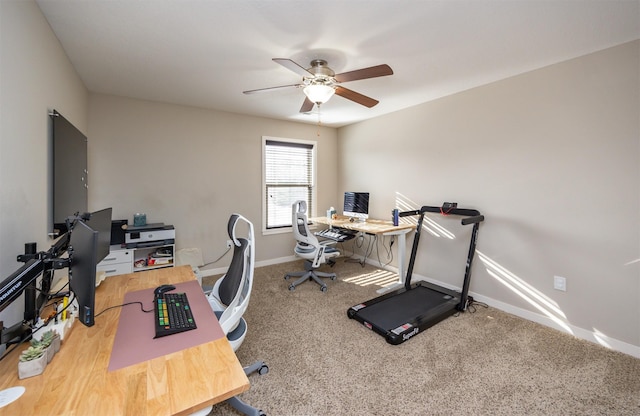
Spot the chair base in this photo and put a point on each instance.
(309, 274)
(258, 367)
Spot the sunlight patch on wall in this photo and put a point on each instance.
(403, 203)
(382, 278)
(527, 292)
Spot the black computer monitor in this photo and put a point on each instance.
(83, 254)
(100, 221)
(88, 245)
(356, 205)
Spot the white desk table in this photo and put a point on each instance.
(379, 227)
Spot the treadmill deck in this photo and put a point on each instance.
(401, 314)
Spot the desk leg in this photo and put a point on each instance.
(402, 254)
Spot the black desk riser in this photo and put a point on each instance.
(405, 312)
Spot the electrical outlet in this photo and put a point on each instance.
(560, 283)
(229, 243)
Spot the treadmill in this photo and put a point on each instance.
(405, 312)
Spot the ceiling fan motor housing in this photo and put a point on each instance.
(322, 74)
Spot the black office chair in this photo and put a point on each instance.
(229, 299)
(308, 247)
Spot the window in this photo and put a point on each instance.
(288, 176)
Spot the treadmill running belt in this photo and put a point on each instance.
(405, 307)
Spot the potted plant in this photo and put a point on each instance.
(56, 340)
(32, 362)
(46, 344)
(49, 341)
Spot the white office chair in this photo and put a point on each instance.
(229, 299)
(308, 247)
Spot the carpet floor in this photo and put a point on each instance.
(481, 362)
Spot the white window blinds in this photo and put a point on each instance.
(289, 168)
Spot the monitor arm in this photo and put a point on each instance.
(24, 280)
(11, 288)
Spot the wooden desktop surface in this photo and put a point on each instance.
(76, 381)
(370, 226)
(377, 227)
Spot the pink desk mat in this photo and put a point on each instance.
(134, 342)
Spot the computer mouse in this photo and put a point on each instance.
(163, 288)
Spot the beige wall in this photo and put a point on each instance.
(192, 168)
(35, 78)
(552, 158)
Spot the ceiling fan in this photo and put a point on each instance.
(319, 82)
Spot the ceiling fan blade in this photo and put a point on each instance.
(356, 97)
(292, 66)
(272, 88)
(371, 72)
(307, 105)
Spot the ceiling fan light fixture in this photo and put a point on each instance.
(318, 93)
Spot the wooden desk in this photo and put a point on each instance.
(371, 226)
(76, 381)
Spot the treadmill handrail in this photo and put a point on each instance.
(451, 211)
(473, 216)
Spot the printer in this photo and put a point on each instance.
(149, 235)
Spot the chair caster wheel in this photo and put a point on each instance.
(286, 277)
(263, 370)
(323, 288)
(292, 288)
(333, 277)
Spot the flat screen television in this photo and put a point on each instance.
(356, 205)
(69, 172)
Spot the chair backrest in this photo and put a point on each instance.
(300, 222)
(235, 286)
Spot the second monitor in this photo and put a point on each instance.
(88, 245)
(356, 205)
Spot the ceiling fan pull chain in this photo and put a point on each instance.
(319, 122)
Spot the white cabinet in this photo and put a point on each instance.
(128, 260)
(118, 261)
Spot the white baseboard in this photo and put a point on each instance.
(276, 261)
(578, 332)
(567, 327)
(220, 270)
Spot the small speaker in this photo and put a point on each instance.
(117, 231)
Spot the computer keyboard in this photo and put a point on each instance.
(336, 234)
(172, 314)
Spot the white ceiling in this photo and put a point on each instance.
(204, 53)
